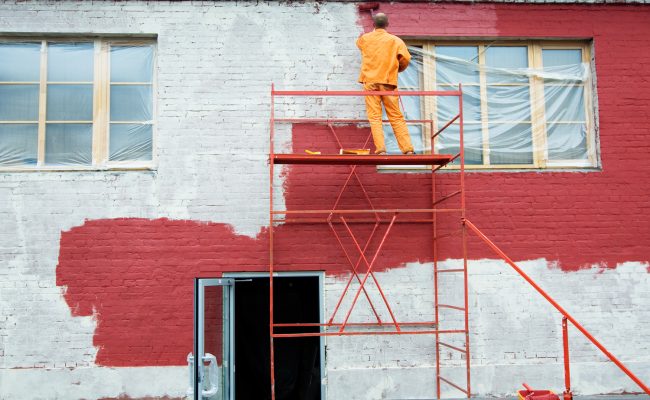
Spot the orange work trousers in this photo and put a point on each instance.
(395, 117)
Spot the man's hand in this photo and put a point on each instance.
(403, 62)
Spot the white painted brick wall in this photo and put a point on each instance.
(215, 63)
(515, 334)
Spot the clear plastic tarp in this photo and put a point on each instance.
(70, 84)
(513, 114)
(19, 77)
(69, 110)
(131, 103)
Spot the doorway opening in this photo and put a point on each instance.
(298, 361)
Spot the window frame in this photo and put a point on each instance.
(536, 93)
(101, 103)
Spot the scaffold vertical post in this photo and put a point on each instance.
(435, 266)
(464, 230)
(567, 369)
(271, 174)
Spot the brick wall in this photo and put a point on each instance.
(76, 246)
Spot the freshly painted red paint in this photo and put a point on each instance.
(135, 275)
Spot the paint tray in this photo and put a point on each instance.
(536, 395)
(361, 152)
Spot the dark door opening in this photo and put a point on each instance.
(297, 360)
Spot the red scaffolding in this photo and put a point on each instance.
(390, 218)
(362, 269)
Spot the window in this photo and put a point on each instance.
(525, 104)
(75, 104)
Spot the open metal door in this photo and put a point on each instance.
(212, 379)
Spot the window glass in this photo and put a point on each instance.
(130, 142)
(68, 144)
(131, 103)
(567, 141)
(131, 63)
(19, 94)
(564, 103)
(18, 144)
(565, 108)
(506, 56)
(19, 102)
(449, 142)
(448, 105)
(20, 62)
(70, 62)
(456, 64)
(511, 143)
(69, 102)
(502, 60)
(555, 57)
(508, 103)
(131, 106)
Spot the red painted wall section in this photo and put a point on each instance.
(135, 275)
(576, 218)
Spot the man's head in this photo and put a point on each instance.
(380, 20)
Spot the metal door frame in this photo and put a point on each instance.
(199, 324)
(321, 315)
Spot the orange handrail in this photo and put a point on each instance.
(562, 311)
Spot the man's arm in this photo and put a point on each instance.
(403, 57)
(360, 42)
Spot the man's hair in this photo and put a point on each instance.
(380, 20)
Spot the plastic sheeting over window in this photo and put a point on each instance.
(131, 103)
(69, 110)
(19, 77)
(18, 144)
(515, 114)
(412, 107)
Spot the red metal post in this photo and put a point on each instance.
(567, 371)
(555, 304)
(464, 234)
(271, 172)
(435, 267)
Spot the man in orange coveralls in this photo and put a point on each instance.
(383, 56)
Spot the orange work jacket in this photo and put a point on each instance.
(382, 56)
